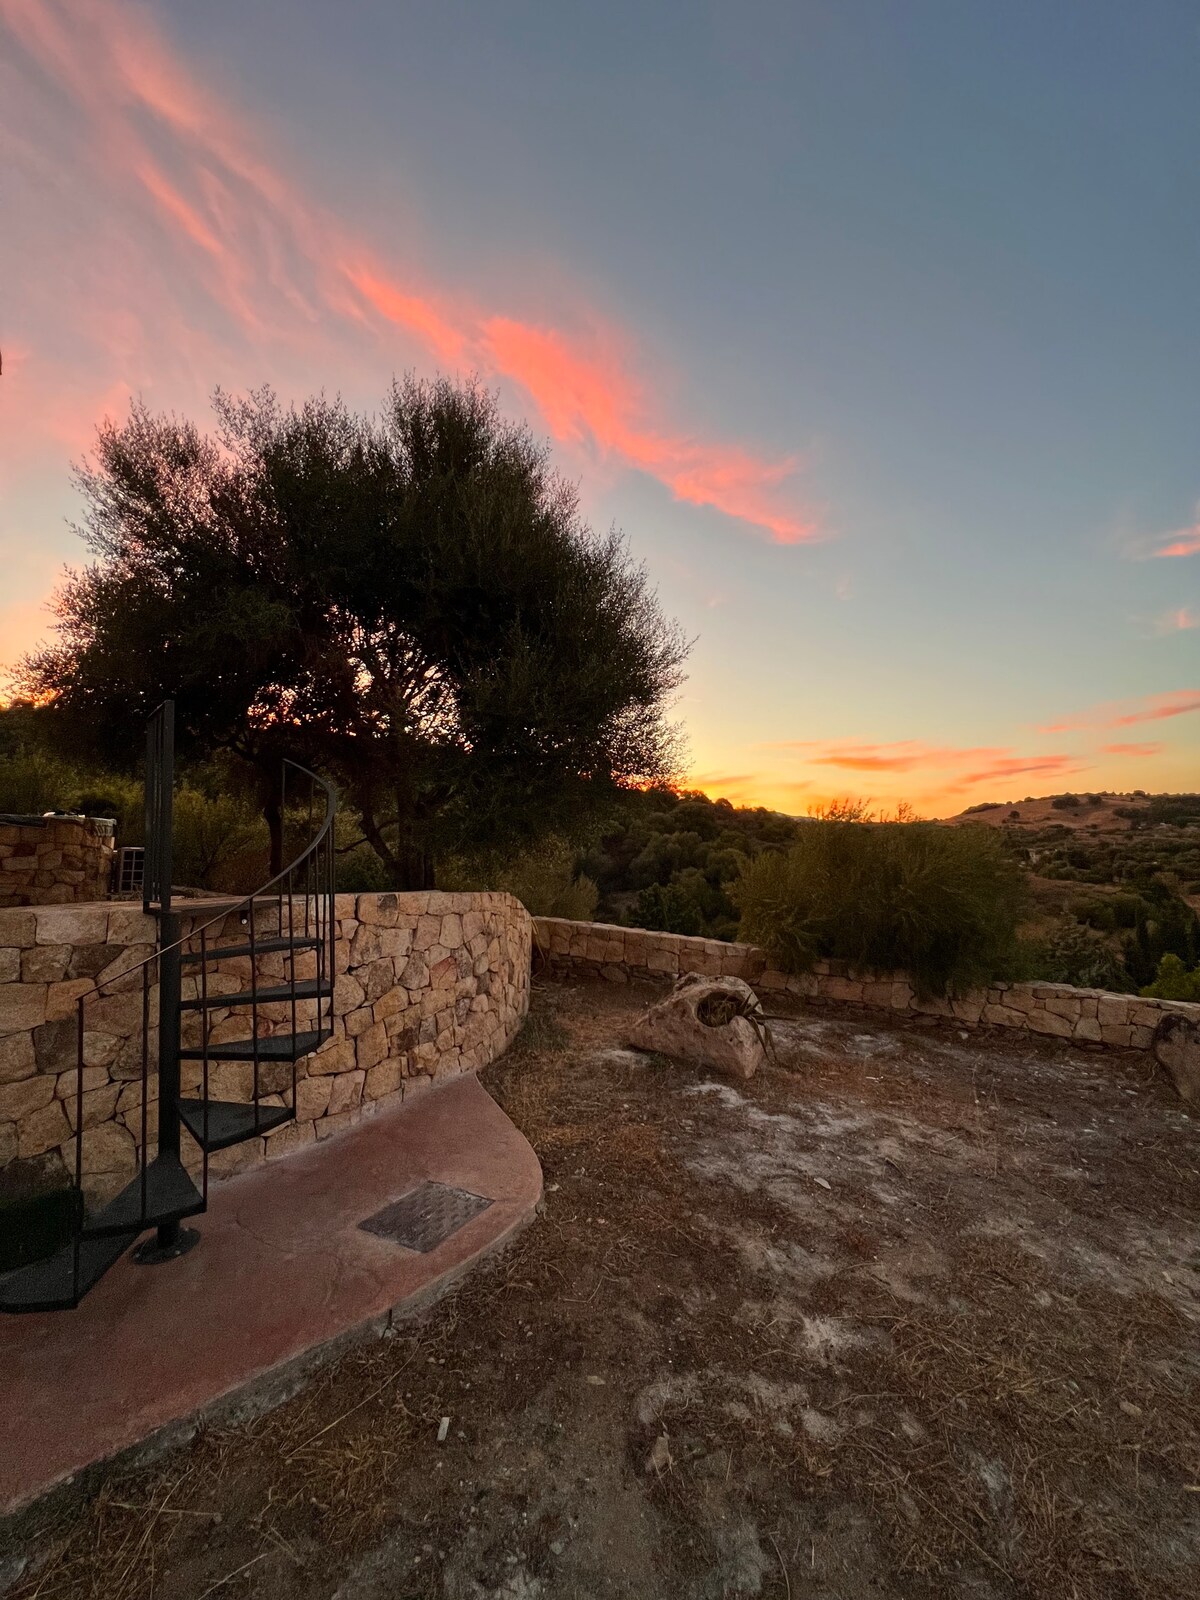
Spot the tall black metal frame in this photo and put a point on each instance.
(292, 915)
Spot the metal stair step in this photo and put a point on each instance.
(229, 1121)
(276, 1047)
(169, 1195)
(260, 947)
(51, 1285)
(305, 989)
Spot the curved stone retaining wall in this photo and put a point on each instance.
(47, 861)
(1085, 1016)
(427, 985)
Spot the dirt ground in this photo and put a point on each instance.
(910, 1314)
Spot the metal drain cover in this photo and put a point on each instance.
(426, 1217)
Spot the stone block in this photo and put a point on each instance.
(127, 971)
(415, 974)
(43, 1130)
(1118, 1035)
(878, 992)
(131, 925)
(327, 1127)
(968, 1009)
(347, 994)
(78, 924)
(377, 979)
(384, 1078)
(99, 1104)
(337, 1056)
(372, 1045)
(357, 1022)
(1002, 1016)
(62, 1000)
(378, 910)
(238, 1158)
(20, 1100)
(1052, 1023)
(312, 1097)
(390, 1004)
(365, 947)
(93, 1078)
(22, 1006)
(18, 928)
(396, 943)
(1087, 1029)
(108, 1147)
(45, 963)
(289, 1136)
(17, 1059)
(1113, 1012)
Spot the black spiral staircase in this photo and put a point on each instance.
(290, 917)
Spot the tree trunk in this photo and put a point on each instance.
(273, 814)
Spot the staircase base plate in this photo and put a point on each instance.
(153, 1252)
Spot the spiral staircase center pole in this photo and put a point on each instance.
(171, 1239)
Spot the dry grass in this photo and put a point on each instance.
(987, 1422)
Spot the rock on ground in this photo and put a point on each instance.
(1177, 1050)
(704, 1020)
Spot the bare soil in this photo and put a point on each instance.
(910, 1314)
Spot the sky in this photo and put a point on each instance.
(874, 327)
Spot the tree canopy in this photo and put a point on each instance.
(410, 601)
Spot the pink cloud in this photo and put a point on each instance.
(288, 274)
(1184, 543)
(1180, 620)
(1151, 708)
(1132, 749)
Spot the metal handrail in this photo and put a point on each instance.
(229, 908)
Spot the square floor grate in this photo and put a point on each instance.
(427, 1217)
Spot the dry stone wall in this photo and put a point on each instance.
(48, 861)
(426, 985)
(1084, 1016)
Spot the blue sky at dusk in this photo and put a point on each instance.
(874, 326)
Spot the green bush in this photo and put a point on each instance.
(939, 903)
(668, 909)
(545, 879)
(1173, 981)
(1080, 956)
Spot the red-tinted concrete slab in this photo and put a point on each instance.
(282, 1269)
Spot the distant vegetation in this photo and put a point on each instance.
(942, 904)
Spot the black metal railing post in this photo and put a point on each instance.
(160, 795)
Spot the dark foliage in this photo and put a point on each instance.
(410, 602)
(942, 904)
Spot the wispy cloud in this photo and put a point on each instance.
(1180, 620)
(1127, 714)
(285, 271)
(941, 765)
(1120, 749)
(1156, 547)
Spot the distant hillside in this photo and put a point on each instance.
(1088, 811)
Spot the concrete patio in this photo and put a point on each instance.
(283, 1271)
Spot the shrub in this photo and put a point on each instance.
(669, 909)
(941, 904)
(210, 837)
(1080, 956)
(545, 879)
(1173, 981)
